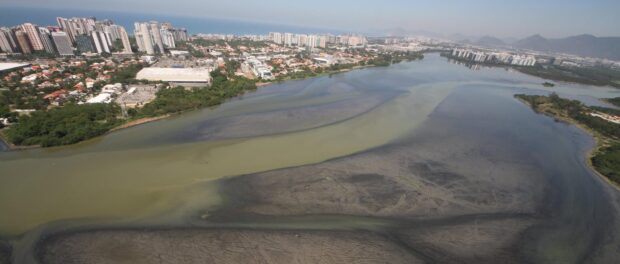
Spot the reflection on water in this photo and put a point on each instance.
(3, 146)
(165, 170)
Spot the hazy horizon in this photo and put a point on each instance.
(551, 18)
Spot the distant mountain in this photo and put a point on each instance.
(509, 40)
(582, 45)
(535, 42)
(489, 41)
(466, 41)
(459, 37)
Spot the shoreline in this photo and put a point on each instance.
(12, 147)
(130, 124)
(523, 70)
(137, 122)
(141, 121)
(598, 142)
(357, 67)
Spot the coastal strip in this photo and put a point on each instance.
(10, 146)
(138, 122)
(603, 158)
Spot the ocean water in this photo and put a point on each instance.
(11, 16)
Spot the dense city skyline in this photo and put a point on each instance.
(551, 18)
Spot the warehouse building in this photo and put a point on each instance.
(177, 76)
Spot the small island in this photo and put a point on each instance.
(602, 123)
(548, 84)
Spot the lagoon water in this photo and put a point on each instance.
(167, 172)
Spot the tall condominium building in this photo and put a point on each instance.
(23, 42)
(323, 40)
(84, 44)
(102, 41)
(303, 40)
(116, 33)
(144, 38)
(76, 26)
(125, 40)
(66, 26)
(353, 40)
(7, 41)
(63, 43)
(332, 39)
(288, 39)
(46, 39)
(33, 36)
(180, 34)
(276, 37)
(313, 41)
(101, 25)
(113, 30)
(153, 37)
(166, 26)
(156, 36)
(167, 38)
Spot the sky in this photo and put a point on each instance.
(509, 18)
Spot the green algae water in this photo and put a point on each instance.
(144, 181)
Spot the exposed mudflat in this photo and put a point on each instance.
(224, 246)
(399, 181)
(276, 122)
(5, 253)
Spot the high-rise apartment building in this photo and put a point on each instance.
(23, 42)
(144, 38)
(84, 44)
(124, 37)
(167, 38)
(180, 34)
(7, 41)
(76, 26)
(33, 36)
(288, 39)
(116, 33)
(102, 41)
(46, 40)
(156, 36)
(276, 37)
(62, 43)
(312, 41)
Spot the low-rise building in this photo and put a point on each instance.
(178, 76)
(102, 98)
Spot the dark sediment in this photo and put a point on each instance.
(223, 246)
(5, 253)
(278, 122)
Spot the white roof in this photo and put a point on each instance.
(179, 52)
(10, 65)
(101, 98)
(175, 74)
